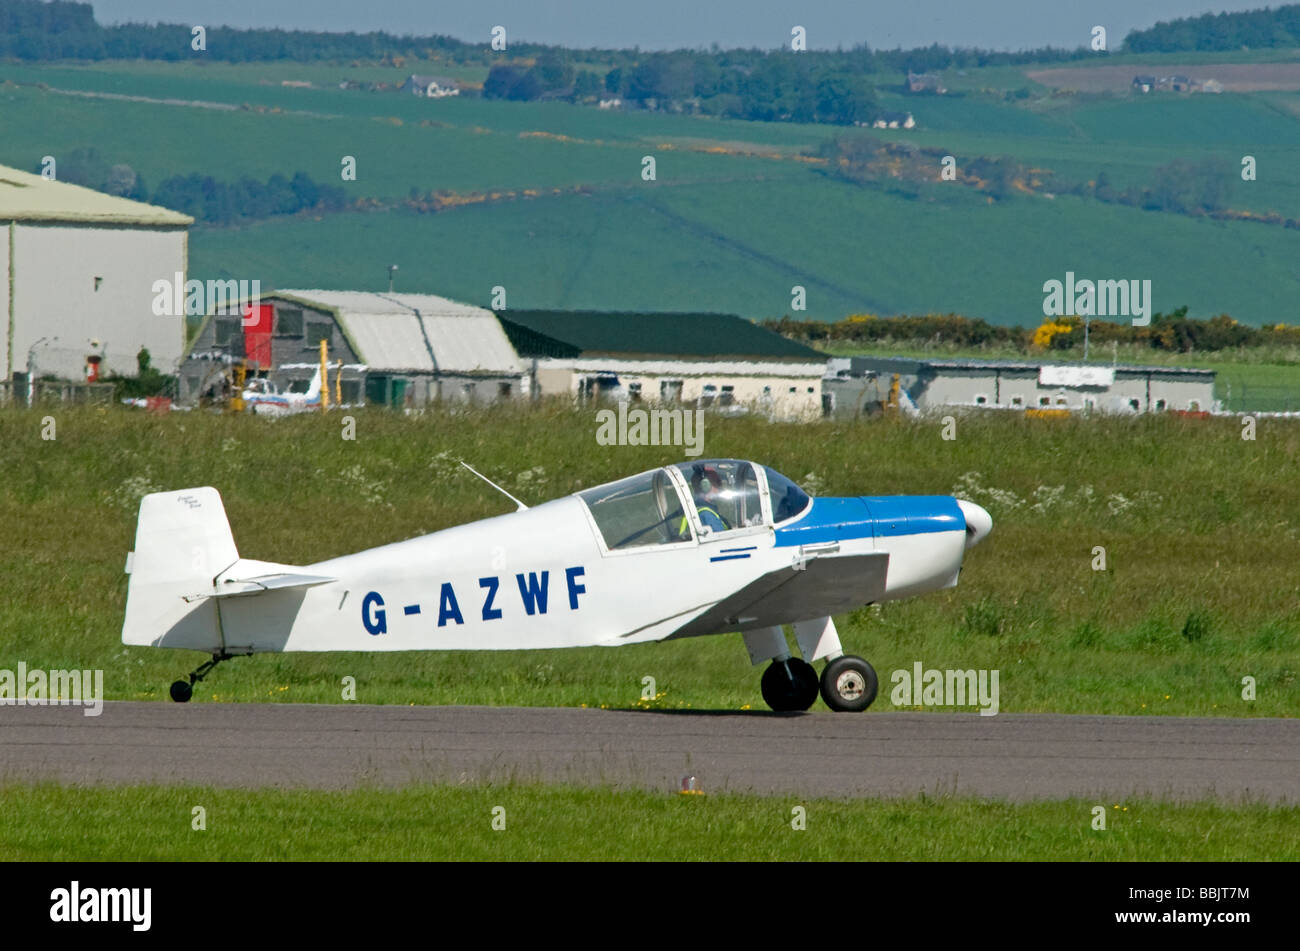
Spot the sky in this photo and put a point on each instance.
(670, 24)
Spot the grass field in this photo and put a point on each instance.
(440, 823)
(1199, 528)
(719, 230)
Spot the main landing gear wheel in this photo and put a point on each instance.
(789, 685)
(848, 684)
(181, 691)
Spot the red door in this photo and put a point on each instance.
(257, 335)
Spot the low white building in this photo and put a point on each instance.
(859, 383)
(77, 275)
(709, 361)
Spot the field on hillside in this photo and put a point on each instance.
(736, 216)
(1198, 525)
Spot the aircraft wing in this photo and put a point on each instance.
(829, 584)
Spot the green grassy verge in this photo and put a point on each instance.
(1200, 531)
(150, 823)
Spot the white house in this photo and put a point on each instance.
(894, 120)
(433, 87)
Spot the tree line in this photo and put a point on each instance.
(1172, 332)
(60, 29)
(203, 197)
(1253, 29)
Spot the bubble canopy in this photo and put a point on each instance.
(689, 501)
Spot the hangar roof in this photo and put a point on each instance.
(415, 332)
(28, 197)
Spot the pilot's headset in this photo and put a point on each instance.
(705, 476)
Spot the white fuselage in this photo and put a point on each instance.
(541, 579)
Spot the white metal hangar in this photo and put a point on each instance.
(78, 270)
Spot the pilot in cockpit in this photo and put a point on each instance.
(706, 487)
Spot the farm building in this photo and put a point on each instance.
(400, 350)
(431, 87)
(856, 384)
(925, 82)
(77, 275)
(894, 120)
(705, 360)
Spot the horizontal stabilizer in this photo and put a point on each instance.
(248, 577)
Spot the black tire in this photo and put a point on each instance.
(789, 686)
(181, 691)
(849, 684)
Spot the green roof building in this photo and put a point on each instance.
(705, 360)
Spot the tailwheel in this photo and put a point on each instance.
(181, 690)
(789, 685)
(848, 684)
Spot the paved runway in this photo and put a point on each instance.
(1009, 756)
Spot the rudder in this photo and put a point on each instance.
(182, 543)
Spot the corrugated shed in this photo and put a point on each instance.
(388, 341)
(419, 332)
(470, 344)
(28, 197)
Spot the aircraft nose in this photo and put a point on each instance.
(978, 522)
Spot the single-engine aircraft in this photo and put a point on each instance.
(699, 547)
(263, 398)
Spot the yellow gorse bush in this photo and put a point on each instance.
(1049, 329)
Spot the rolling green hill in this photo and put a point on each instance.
(737, 215)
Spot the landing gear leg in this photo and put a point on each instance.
(182, 690)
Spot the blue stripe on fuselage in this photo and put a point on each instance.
(840, 519)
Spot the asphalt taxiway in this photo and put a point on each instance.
(1008, 756)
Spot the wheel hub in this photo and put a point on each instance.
(850, 685)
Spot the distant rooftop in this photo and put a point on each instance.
(414, 332)
(556, 333)
(28, 197)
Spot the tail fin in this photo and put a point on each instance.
(313, 390)
(185, 563)
(182, 543)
